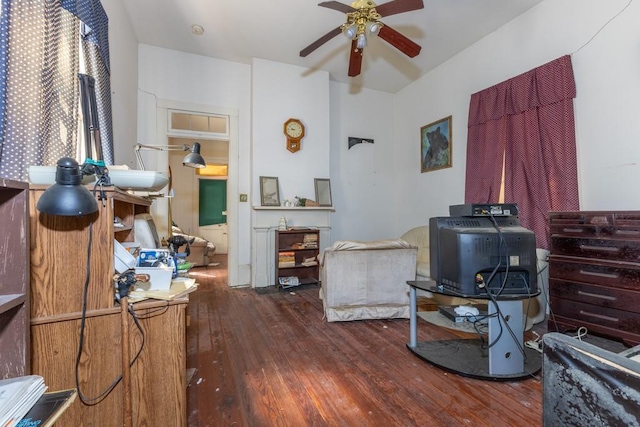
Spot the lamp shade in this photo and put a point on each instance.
(351, 31)
(67, 197)
(194, 159)
(361, 41)
(373, 27)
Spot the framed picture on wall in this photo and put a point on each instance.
(435, 145)
(323, 191)
(269, 191)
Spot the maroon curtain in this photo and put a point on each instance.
(529, 120)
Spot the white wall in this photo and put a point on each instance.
(123, 51)
(362, 178)
(280, 92)
(607, 73)
(168, 77)
(273, 91)
(607, 111)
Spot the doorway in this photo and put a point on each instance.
(212, 137)
(199, 201)
(213, 212)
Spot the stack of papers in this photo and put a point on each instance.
(17, 397)
(180, 287)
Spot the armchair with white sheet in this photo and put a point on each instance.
(367, 280)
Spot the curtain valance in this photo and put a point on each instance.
(545, 85)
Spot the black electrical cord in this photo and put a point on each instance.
(100, 397)
(153, 312)
(493, 297)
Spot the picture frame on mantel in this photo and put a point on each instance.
(435, 145)
(323, 191)
(269, 191)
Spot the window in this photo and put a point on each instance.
(198, 124)
(524, 127)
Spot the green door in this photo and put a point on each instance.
(213, 201)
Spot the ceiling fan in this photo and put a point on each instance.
(363, 18)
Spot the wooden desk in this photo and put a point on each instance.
(58, 269)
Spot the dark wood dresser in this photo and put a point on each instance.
(594, 273)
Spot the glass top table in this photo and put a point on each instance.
(502, 357)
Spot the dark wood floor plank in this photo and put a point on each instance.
(375, 332)
(358, 353)
(278, 331)
(265, 396)
(301, 349)
(212, 388)
(269, 358)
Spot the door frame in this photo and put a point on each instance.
(162, 137)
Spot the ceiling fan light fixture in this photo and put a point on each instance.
(351, 31)
(362, 20)
(362, 41)
(373, 28)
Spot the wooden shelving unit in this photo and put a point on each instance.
(293, 248)
(153, 389)
(14, 279)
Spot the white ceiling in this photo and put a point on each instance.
(276, 30)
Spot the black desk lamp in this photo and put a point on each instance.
(68, 197)
(193, 160)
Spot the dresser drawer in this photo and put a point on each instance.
(609, 249)
(606, 317)
(598, 296)
(619, 225)
(564, 324)
(603, 273)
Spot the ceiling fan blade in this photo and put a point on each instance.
(399, 41)
(322, 40)
(355, 60)
(336, 5)
(399, 6)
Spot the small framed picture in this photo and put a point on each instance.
(269, 191)
(435, 145)
(323, 191)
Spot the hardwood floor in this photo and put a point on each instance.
(270, 359)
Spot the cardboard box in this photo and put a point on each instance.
(122, 258)
(160, 278)
(153, 257)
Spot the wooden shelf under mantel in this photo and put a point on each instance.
(294, 208)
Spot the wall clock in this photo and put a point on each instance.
(294, 131)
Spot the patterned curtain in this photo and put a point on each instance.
(39, 88)
(526, 122)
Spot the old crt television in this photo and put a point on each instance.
(471, 255)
